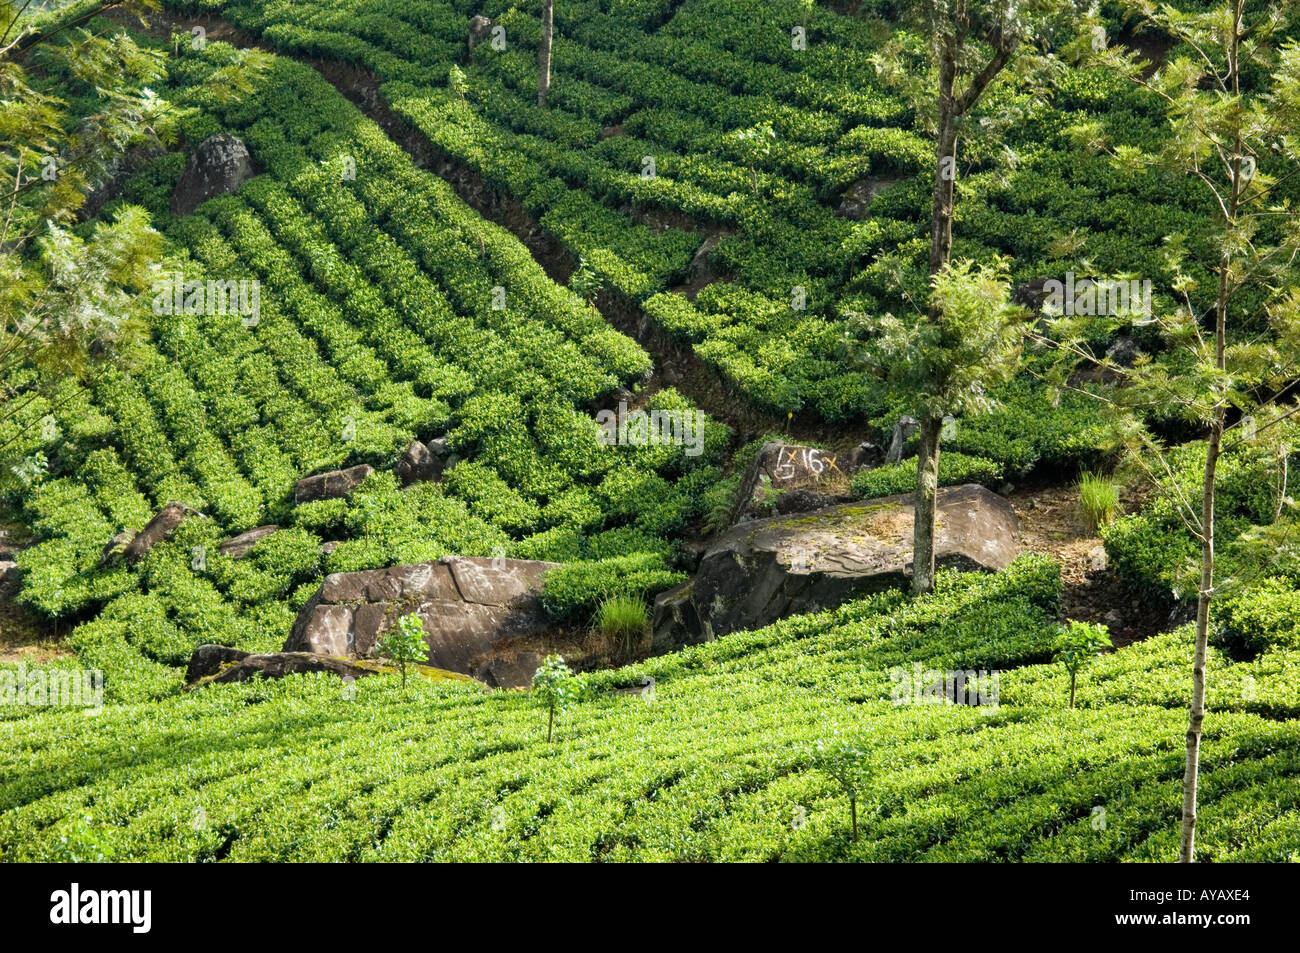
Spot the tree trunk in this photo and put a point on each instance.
(927, 491)
(853, 809)
(544, 52)
(1196, 713)
(1205, 593)
(945, 172)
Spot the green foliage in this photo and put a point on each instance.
(1261, 619)
(622, 620)
(954, 469)
(378, 326)
(732, 727)
(404, 643)
(1098, 500)
(948, 364)
(1077, 647)
(1156, 554)
(456, 81)
(72, 103)
(575, 590)
(754, 145)
(557, 687)
(849, 763)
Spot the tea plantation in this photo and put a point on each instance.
(715, 767)
(439, 257)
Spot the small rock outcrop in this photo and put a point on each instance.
(220, 664)
(10, 580)
(855, 203)
(482, 617)
(1032, 294)
(781, 467)
(115, 547)
(513, 672)
(900, 441)
(1123, 351)
(210, 659)
(866, 456)
(161, 527)
(219, 166)
(237, 547)
(480, 28)
(420, 464)
(109, 183)
(10, 575)
(764, 570)
(331, 486)
(675, 622)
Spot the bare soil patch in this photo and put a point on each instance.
(1094, 592)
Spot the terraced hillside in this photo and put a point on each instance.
(680, 84)
(377, 327)
(703, 217)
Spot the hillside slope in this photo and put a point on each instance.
(715, 766)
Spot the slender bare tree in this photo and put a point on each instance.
(544, 51)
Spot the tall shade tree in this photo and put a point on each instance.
(946, 362)
(544, 51)
(1232, 96)
(973, 45)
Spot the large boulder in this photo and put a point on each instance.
(331, 486)
(781, 467)
(761, 571)
(482, 617)
(219, 166)
(161, 527)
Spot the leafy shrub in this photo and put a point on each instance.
(1257, 620)
(1150, 552)
(954, 469)
(575, 590)
(404, 643)
(557, 688)
(1078, 646)
(848, 762)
